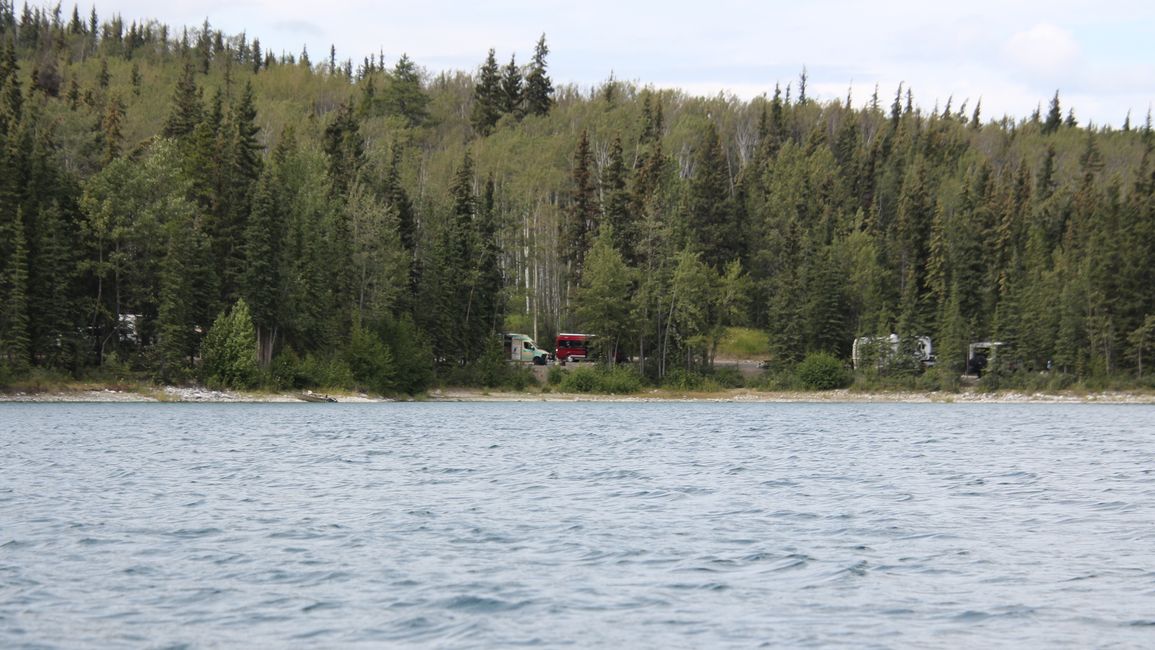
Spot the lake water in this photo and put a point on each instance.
(621, 525)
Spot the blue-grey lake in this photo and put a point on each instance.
(592, 524)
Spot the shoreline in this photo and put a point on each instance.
(175, 394)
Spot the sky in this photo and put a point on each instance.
(1013, 55)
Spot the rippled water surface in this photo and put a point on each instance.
(650, 525)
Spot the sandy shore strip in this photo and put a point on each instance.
(204, 395)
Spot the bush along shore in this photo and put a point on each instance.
(819, 377)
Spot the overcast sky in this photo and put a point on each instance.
(1012, 54)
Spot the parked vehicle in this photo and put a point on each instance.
(892, 351)
(572, 347)
(521, 348)
(981, 354)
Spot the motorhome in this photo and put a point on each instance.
(521, 348)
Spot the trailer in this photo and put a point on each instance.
(884, 352)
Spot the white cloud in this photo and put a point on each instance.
(1044, 49)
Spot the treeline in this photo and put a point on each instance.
(192, 207)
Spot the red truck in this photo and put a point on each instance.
(573, 347)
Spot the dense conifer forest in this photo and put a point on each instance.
(183, 205)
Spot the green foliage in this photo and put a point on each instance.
(229, 351)
(371, 362)
(822, 371)
(617, 380)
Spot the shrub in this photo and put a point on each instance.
(371, 362)
(821, 371)
(229, 351)
(285, 370)
(618, 380)
(728, 377)
(580, 380)
(556, 374)
(325, 372)
(680, 379)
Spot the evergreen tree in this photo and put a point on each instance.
(487, 97)
(186, 106)
(404, 96)
(261, 285)
(580, 225)
(616, 204)
(538, 87)
(14, 336)
(511, 89)
(710, 209)
(51, 287)
(112, 129)
(243, 163)
(1054, 116)
(177, 315)
(345, 148)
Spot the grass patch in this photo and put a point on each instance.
(744, 343)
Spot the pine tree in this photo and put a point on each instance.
(14, 326)
(538, 87)
(487, 97)
(177, 321)
(491, 305)
(51, 284)
(616, 203)
(112, 129)
(710, 210)
(580, 224)
(345, 149)
(511, 89)
(1054, 116)
(261, 282)
(404, 95)
(243, 163)
(186, 106)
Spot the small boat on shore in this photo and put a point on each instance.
(310, 396)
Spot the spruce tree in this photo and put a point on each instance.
(186, 109)
(511, 89)
(1054, 116)
(538, 87)
(404, 96)
(616, 204)
(261, 281)
(710, 210)
(580, 217)
(14, 326)
(112, 129)
(487, 97)
(345, 149)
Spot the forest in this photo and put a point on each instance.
(180, 204)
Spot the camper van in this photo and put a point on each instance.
(521, 348)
